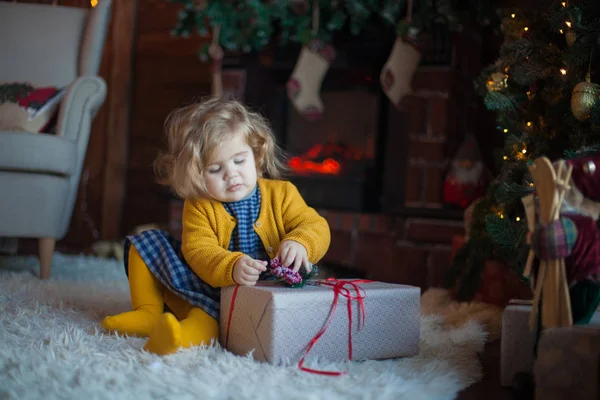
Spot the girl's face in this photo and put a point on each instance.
(231, 173)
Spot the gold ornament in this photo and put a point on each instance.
(497, 81)
(585, 94)
(570, 37)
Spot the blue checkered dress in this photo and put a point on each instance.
(162, 254)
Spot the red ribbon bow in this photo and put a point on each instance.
(339, 288)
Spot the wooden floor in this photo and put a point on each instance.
(488, 388)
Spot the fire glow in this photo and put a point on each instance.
(324, 159)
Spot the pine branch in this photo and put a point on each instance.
(528, 73)
(498, 101)
(249, 25)
(510, 192)
(518, 50)
(595, 115)
(506, 235)
(583, 152)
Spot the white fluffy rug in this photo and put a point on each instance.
(53, 347)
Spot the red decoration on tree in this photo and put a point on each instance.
(467, 178)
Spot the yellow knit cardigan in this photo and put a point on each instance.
(284, 215)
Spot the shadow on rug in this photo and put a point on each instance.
(54, 347)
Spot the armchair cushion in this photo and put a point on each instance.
(30, 152)
(24, 107)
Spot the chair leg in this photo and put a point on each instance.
(46, 247)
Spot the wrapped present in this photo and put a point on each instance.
(334, 320)
(568, 363)
(518, 341)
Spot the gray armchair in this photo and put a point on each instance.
(57, 46)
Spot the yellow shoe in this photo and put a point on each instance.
(169, 334)
(165, 337)
(133, 323)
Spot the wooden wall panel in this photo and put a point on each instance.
(119, 109)
(117, 190)
(167, 73)
(97, 212)
(87, 213)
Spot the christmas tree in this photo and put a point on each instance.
(542, 89)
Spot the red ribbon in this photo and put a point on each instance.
(230, 315)
(339, 288)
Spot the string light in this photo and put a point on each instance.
(561, 31)
(505, 158)
(501, 215)
(505, 130)
(568, 23)
(531, 184)
(528, 122)
(94, 3)
(526, 28)
(563, 3)
(524, 151)
(563, 71)
(512, 15)
(518, 219)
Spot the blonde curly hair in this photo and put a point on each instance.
(194, 131)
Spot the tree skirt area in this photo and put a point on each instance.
(53, 347)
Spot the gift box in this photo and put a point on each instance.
(568, 363)
(518, 341)
(279, 323)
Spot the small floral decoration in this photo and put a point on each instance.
(289, 276)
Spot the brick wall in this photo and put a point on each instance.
(413, 251)
(434, 128)
(441, 109)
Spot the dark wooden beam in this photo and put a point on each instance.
(124, 22)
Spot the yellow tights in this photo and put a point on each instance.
(166, 332)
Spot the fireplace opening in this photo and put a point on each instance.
(338, 161)
(332, 160)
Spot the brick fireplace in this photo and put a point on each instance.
(334, 160)
(407, 238)
(386, 211)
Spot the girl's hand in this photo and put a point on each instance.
(246, 270)
(292, 253)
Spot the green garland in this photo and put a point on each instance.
(249, 25)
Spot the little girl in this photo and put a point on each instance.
(234, 220)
